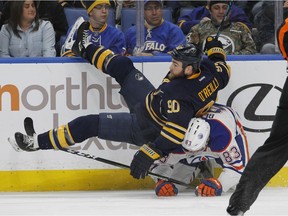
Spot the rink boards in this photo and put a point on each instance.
(54, 91)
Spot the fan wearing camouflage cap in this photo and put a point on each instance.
(235, 36)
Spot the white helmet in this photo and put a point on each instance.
(197, 135)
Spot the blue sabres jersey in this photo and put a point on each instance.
(158, 40)
(168, 109)
(173, 104)
(108, 36)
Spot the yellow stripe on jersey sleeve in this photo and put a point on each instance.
(180, 128)
(170, 138)
(174, 132)
(153, 115)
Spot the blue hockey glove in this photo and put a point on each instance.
(214, 49)
(165, 188)
(143, 159)
(209, 187)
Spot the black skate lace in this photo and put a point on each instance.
(85, 37)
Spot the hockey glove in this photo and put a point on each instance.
(209, 187)
(165, 188)
(214, 49)
(143, 159)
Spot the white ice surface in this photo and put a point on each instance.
(271, 201)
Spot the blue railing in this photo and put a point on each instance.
(134, 59)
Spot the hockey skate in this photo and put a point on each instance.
(21, 142)
(82, 40)
(66, 49)
(24, 142)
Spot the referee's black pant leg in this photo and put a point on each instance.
(267, 160)
(263, 165)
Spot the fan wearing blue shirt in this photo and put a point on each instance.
(161, 36)
(101, 32)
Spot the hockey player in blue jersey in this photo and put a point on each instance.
(101, 33)
(158, 117)
(161, 36)
(219, 136)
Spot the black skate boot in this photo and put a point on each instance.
(82, 40)
(24, 142)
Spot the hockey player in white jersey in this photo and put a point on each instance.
(218, 136)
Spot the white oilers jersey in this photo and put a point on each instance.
(227, 145)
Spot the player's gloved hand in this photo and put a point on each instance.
(214, 49)
(209, 187)
(143, 159)
(165, 188)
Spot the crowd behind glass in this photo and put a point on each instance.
(42, 25)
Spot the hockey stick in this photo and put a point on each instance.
(224, 18)
(114, 163)
(30, 131)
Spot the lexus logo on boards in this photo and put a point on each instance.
(256, 104)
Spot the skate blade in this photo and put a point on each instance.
(70, 38)
(13, 143)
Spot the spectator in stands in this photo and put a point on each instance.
(264, 22)
(202, 14)
(123, 4)
(5, 12)
(54, 12)
(1, 10)
(177, 5)
(160, 36)
(26, 35)
(248, 7)
(101, 32)
(235, 36)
